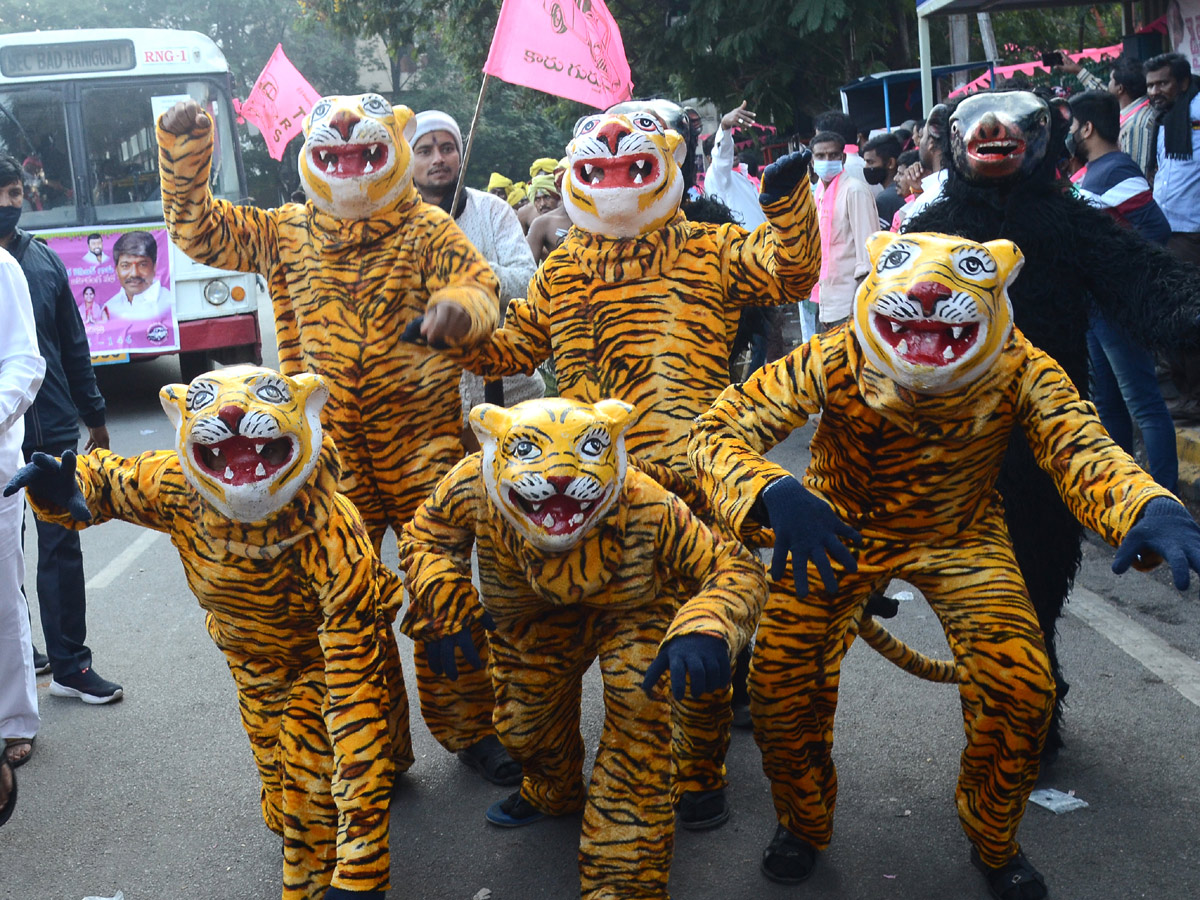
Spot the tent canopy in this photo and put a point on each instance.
(928, 8)
(884, 99)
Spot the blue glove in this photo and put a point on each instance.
(1164, 528)
(701, 657)
(780, 178)
(440, 653)
(52, 483)
(337, 893)
(807, 528)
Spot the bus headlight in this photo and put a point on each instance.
(216, 292)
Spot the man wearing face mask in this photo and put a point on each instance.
(847, 216)
(880, 155)
(1124, 385)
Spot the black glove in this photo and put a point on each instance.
(1166, 528)
(337, 893)
(440, 653)
(701, 657)
(412, 335)
(807, 528)
(52, 483)
(780, 178)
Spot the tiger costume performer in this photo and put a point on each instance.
(642, 305)
(294, 596)
(918, 398)
(574, 549)
(347, 272)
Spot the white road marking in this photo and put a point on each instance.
(122, 561)
(1175, 668)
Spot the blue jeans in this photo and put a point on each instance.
(1125, 390)
(61, 599)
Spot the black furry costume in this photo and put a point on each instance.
(1074, 255)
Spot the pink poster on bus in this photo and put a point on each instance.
(121, 281)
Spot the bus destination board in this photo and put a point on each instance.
(32, 60)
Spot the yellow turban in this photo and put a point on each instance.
(543, 166)
(498, 181)
(517, 193)
(542, 184)
(564, 163)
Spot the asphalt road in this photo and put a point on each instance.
(157, 796)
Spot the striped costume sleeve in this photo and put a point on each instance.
(523, 342)
(1099, 482)
(147, 490)
(728, 440)
(208, 230)
(733, 585)
(355, 712)
(435, 556)
(456, 272)
(780, 260)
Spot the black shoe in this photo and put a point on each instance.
(86, 686)
(788, 859)
(41, 662)
(489, 758)
(702, 810)
(513, 812)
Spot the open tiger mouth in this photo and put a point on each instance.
(242, 460)
(926, 342)
(633, 170)
(349, 160)
(556, 516)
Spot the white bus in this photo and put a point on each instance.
(77, 110)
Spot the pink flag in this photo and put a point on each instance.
(280, 100)
(569, 48)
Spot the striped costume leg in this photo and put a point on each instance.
(310, 815)
(629, 824)
(537, 667)
(794, 676)
(1007, 688)
(397, 709)
(700, 732)
(458, 713)
(262, 693)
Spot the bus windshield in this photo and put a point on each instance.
(89, 151)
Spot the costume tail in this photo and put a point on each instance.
(881, 640)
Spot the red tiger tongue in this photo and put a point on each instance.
(240, 453)
(925, 346)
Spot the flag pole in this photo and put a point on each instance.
(462, 172)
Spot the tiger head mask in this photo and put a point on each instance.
(248, 438)
(933, 313)
(356, 160)
(553, 467)
(623, 179)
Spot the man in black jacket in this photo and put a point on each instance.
(69, 393)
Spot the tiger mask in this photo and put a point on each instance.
(553, 467)
(248, 438)
(933, 313)
(356, 160)
(623, 177)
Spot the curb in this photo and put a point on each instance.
(1187, 444)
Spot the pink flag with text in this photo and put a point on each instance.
(280, 100)
(569, 48)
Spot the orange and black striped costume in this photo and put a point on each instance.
(302, 609)
(556, 613)
(343, 290)
(650, 320)
(915, 475)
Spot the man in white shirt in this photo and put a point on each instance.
(847, 216)
(930, 149)
(142, 298)
(95, 255)
(21, 372)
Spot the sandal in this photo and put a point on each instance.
(10, 804)
(17, 761)
(788, 859)
(513, 812)
(489, 758)
(1017, 879)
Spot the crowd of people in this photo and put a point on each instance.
(640, 266)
